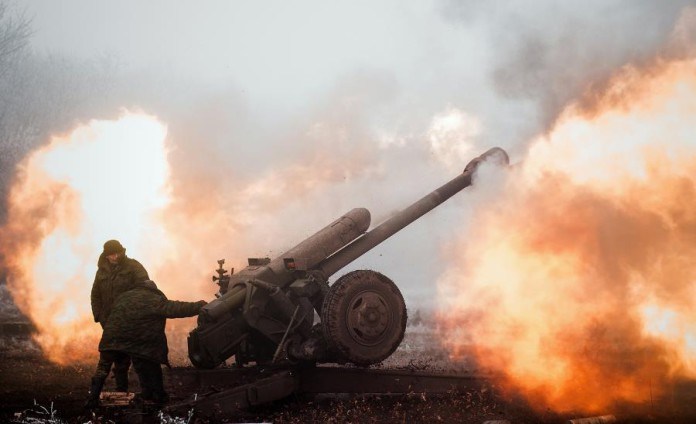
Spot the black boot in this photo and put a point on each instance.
(159, 396)
(145, 384)
(94, 392)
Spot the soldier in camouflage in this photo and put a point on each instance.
(136, 327)
(116, 274)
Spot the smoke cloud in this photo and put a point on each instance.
(277, 123)
(576, 282)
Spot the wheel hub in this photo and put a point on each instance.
(363, 318)
(368, 318)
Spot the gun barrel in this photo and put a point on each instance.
(397, 222)
(326, 241)
(310, 252)
(255, 298)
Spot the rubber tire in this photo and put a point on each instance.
(339, 315)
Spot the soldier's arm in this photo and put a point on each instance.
(96, 300)
(177, 309)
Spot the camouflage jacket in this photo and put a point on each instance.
(137, 322)
(112, 280)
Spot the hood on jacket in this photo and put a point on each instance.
(151, 286)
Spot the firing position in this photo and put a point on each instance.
(136, 328)
(116, 274)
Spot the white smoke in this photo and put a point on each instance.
(380, 103)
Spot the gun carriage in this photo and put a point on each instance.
(265, 313)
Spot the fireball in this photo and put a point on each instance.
(104, 180)
(577, 284)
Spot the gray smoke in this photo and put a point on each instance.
(341, 94)
(549, 53)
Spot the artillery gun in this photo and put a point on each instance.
(265, 313)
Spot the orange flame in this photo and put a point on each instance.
(102, 180)
(578, 282)
(113, 179)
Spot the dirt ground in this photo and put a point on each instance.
(32, 387)
(32, 390)
(30, 379)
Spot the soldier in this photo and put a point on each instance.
(116, 274)
(136, 327)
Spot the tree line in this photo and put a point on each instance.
(40, 93)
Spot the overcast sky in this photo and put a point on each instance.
(280, 54)
(492, 59)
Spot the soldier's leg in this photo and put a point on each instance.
(158, 393)
(121, 365)
(141, 368)
(106, 359)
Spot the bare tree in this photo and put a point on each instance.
(15, 32)
(40, 94)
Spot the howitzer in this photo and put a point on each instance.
(265, 312)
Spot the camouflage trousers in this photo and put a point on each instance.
(121, 362)
(151, 382)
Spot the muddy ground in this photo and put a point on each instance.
(33, 389)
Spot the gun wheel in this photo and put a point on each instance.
(364, 317)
